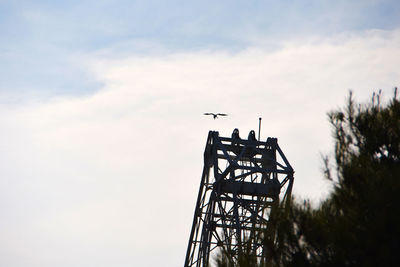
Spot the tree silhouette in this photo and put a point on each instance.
(358, 224)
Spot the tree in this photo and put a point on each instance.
(358, 224)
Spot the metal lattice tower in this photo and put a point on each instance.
(249, 179)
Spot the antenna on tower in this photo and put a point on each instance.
(259, 127)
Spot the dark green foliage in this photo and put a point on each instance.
(359, 222)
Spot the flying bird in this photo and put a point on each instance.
(215, 115)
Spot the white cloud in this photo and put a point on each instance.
(112, 178)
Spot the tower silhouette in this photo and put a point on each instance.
(249, 178)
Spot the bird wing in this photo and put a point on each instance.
(222, 114)
(208, 113)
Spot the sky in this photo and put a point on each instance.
(101, 103)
